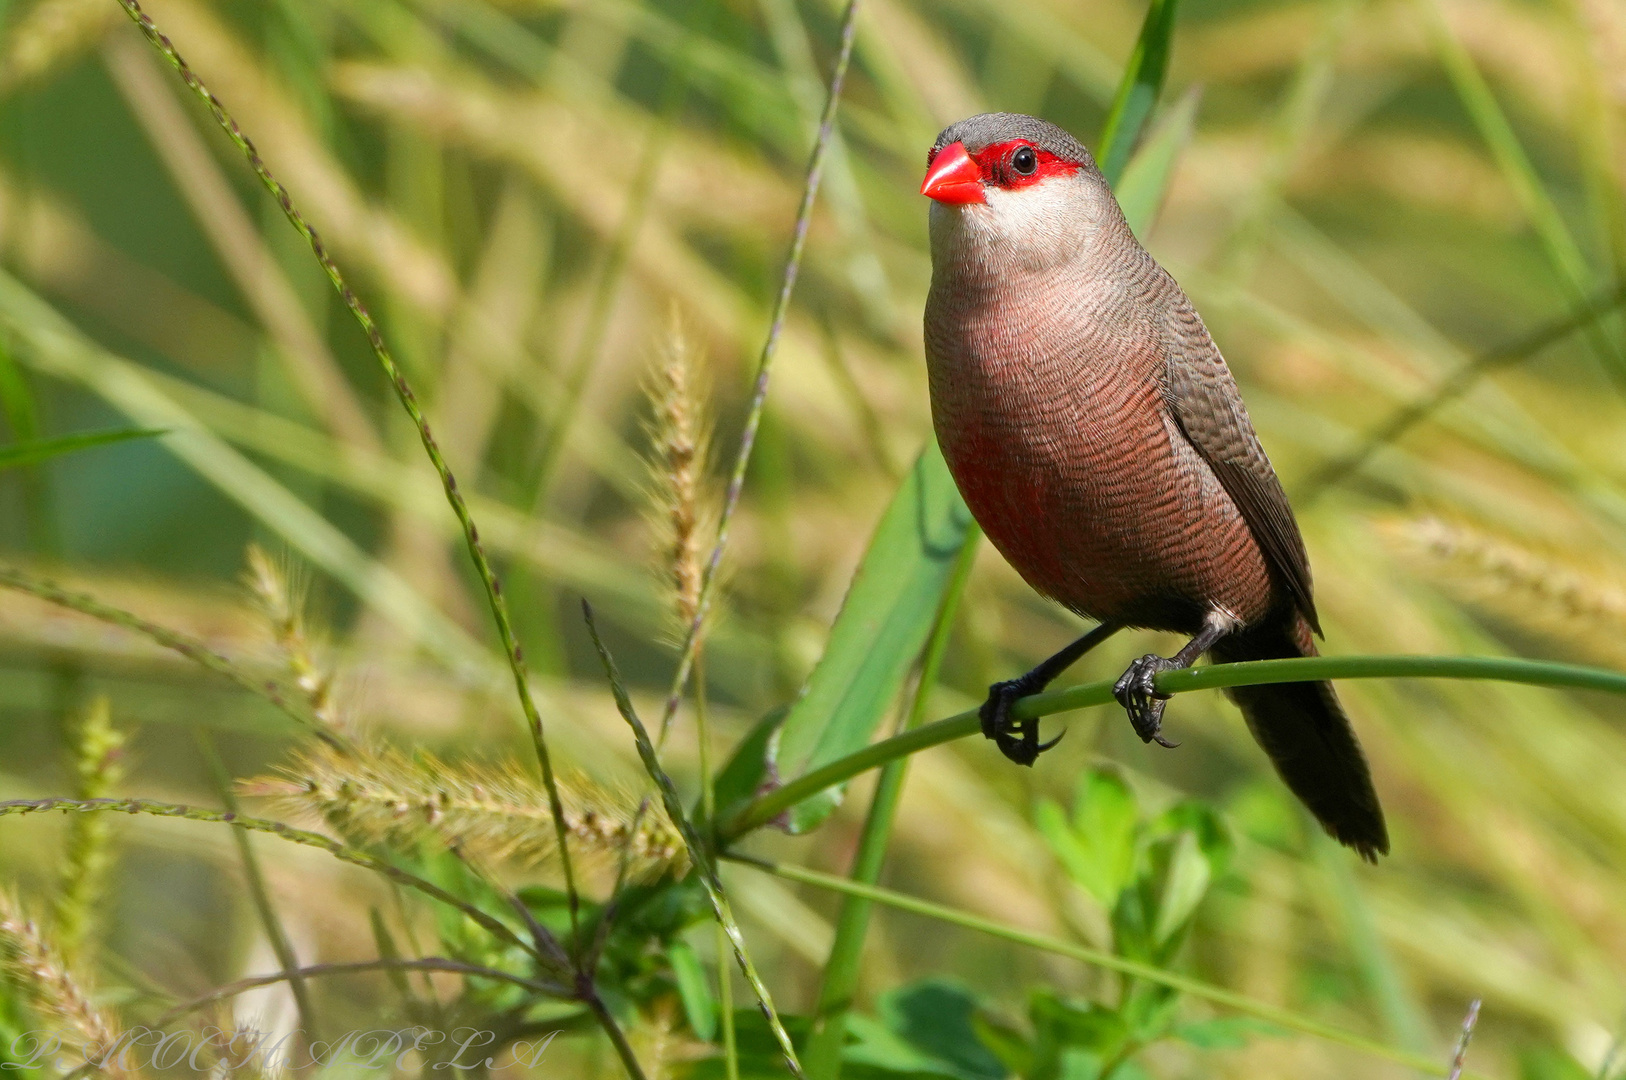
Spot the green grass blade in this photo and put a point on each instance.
(1138, 91)
(404, 393)
(254, 878)
(34, 451)
(1211, 677)
(823, 1051)
(882, 626)
(699, 854)
(1196, 988)
(191, 648)
(286, 832)
(58, 349)
(770, 347)
(1557, 242)
(1146, 178)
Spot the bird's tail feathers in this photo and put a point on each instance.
(1303, 730)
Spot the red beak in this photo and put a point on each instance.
(953, 177)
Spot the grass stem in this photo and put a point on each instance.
(759, 392)
(409, 402)
(1211, 677)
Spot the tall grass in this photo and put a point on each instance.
(1369, 203)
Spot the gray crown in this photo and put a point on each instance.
(985, 129)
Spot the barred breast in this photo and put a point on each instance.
(1049, 405)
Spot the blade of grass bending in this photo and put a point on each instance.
(34, 451)
(270, 922)
(698, 854)
(1458, 384)
(639, 194)
(884, 622)
(22, 416)
(427, 963)
(275, 828)
(765, 808)
(770, 346)
(1563, 253)
(822, 1053)
(189, 647)
(1196, 988)
(403, 391)
(1137, 92)
(1146, 177)
(57, 348)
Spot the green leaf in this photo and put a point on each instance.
(1184, 885)
(1072, 1038)
(747, 770)
(694, 988)
(881, 629)
(1223, 1033)
(16, 399)
(1137, 92)
(1203, 821)
(33, 451)
(1550, 1063)
(935, 1016)
(1005, 1042)
(1146, 179)
(1097, 847)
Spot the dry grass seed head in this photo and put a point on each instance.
(493, 813)
(32, 961)
(278, 589)
(680, 426)
(1549, 593)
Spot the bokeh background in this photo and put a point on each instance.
(536, 196)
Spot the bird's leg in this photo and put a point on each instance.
(1019, 739)
(1137, 692)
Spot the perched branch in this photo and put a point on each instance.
(1213, 677)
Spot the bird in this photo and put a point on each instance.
(1099, 439)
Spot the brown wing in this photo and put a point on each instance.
(1206, 404)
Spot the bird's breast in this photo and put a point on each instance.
(1050, 412)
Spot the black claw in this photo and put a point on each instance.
(1137, 692)
(1018, 740)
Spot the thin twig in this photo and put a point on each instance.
(698, 854)
(1461, 1055)
(409, 401)
(189, 647)
(275, 828)
(310, 971)
(759, 394)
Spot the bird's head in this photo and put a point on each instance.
(1006, 186)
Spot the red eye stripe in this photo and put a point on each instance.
(995, 162)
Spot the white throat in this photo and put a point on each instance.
(1031, 230)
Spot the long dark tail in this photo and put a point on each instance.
(1304, 731)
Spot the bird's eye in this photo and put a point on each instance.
(1025, 160)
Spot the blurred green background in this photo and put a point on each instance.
(528, 193)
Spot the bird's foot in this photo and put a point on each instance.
(1137, 692)
(1016, 739)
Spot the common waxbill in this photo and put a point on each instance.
(1099, 439)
